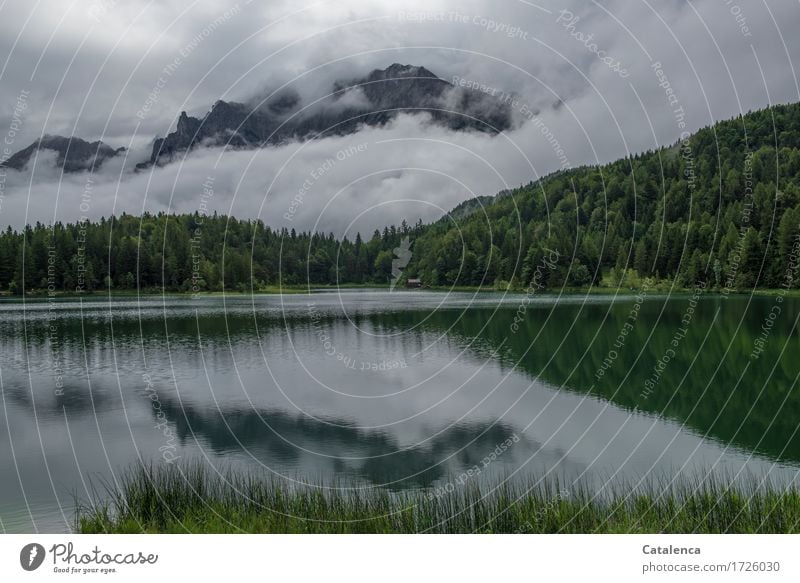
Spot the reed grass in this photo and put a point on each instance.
(190, 498)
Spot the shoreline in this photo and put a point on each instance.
(310, 290)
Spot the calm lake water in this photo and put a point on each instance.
(395, 390)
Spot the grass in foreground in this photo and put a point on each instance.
(175, 499)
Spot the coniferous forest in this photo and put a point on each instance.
(721, 208)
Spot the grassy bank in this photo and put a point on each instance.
(175, 499)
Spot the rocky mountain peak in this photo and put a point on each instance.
(72, 154)
(398, 71)
(373, 100)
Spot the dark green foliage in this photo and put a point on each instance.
(723, 205)
(187, 253)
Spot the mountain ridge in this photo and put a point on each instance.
(370, 101)
(73, 154)
(373, 101)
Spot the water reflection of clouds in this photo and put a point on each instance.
(241, 397)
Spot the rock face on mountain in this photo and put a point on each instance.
(73, 154)
(372, 101)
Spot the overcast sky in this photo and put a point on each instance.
(96, 69)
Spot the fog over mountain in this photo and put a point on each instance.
(281, 117)
(72, 153)
(374, 100)
(349, 115)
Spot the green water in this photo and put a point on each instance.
(394, 390)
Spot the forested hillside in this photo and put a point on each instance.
(713, 208)
(722, 208)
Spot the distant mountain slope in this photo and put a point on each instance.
(720, 209)
(74, 154)
(371, 101)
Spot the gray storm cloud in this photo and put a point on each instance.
(87, 69)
